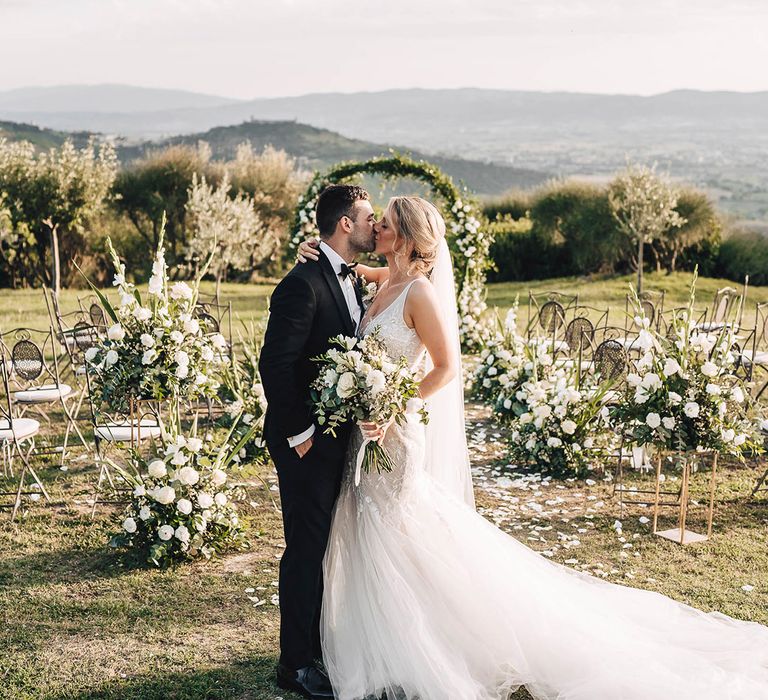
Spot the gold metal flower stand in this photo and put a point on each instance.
(681, 534)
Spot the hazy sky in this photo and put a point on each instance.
(255, 48)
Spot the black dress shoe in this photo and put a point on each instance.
(308, 681)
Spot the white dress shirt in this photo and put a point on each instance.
(348, 290)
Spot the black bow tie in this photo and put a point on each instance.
(347, 270)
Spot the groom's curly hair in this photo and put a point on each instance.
(334, 202)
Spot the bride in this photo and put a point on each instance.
(424, 599)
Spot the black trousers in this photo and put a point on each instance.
(309, 487)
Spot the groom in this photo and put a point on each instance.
(311, 304)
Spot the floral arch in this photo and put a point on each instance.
(468, 242)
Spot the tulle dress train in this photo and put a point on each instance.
(427, 600)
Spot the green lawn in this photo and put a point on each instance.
(80, 621)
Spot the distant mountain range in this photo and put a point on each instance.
(717, 141)
(312, 147)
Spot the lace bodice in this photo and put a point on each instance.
(404, 442)
(399, 339)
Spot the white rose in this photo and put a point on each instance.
(507, 404)
(554, 442)
(116, 332)
(651, 381)
(346, 385)
(129, 525)
(90, 354)
(165, 495)
(188, 476)
(182, 371)
(525, 418)
(204, 500)
(181, 290)
(376, 380)
(709, 369)
(147, 340)
(182, 534)
(737, 394)
(219, 341)
(181, 357)
(568, 426)
(177, 337)
(691, 409)
(157, 469)
(634, 379)
(653, 420)
(671, 366)
(192, 326)
(194, 444)
(218, 477)
(675, 398)
(165, 532)
(145, 513)
(668, 422)
(206, 353)
(148, 357)
(714, 389)
(141, 313)
(184, 506)
(111, 357)
(729, 434)
(200, 379)
(740, 439)
(220, 499)
(641, 395)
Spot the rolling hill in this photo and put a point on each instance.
(312, 147)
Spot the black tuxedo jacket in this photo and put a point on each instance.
(306, 310)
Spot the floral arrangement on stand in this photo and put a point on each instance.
(558, 421)
(685, 394)
(154, 348)
(182, 504)
(245, 403)
(470, 240)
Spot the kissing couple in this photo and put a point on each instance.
(395, 586)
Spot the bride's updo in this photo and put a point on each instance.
(419, 224)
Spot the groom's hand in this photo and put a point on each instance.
(303, 447)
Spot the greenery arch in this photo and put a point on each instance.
(469, 241)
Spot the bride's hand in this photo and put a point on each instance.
(308, 250)
(374, 431)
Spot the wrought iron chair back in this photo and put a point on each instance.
(97, 316)
(610, 358)
(724, 304)
(538, 299)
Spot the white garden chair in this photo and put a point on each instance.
(17, 439)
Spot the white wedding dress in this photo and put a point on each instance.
(427, 600)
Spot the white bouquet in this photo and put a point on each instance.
(154, 348)
(359, 382)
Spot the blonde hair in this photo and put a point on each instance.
(418, 223)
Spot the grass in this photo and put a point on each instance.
(81, 621)
(250, 302)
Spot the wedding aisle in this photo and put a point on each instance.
(81, 625)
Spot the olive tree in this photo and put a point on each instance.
(229, 226)
(49, 198)
(644, 206)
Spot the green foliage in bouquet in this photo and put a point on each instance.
(357, 381)
(183, 504)
(685, 394)
(154, 348)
